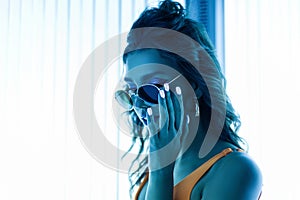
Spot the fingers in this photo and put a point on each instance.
(170, 113)
(168, 124)
(163, 113)
(185, 127)
(170, 107)
(184, 137)
(150, 122)
(151, 129)
(179, 108)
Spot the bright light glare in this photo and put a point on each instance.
(262, 68)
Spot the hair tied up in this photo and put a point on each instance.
(172, 8)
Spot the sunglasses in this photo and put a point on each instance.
(145, 95)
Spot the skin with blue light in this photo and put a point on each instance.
(234, 177)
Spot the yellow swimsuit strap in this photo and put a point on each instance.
(184, 188)
(182, 191)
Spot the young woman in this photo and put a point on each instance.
(176, 103)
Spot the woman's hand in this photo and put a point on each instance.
(167, 129)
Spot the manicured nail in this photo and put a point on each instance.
(187, 119)
(162, 93)
(149, 111)
(178, 90)
(166, 86)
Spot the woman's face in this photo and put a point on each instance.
(149, 67)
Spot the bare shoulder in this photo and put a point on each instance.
(241, 164)
(236, 177)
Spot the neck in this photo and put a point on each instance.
(190, 159)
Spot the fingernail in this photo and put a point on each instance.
(178, 90)
(166, 86)
(187, 119)
(149, 111)
(162, 93)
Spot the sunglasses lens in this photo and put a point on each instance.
(123, 99)
(149, 93)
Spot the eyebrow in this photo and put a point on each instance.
(145, 77)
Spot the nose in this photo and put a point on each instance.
(140, 108)
(138, 102)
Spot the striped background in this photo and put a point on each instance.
(42, 47)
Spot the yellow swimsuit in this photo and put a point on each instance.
(182, 191)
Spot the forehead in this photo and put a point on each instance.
(146, 56)
(142, 65)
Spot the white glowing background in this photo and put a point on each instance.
(263, 68)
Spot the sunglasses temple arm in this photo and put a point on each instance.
(174, 79)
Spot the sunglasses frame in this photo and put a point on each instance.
(128, 101)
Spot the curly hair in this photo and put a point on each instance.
(171, 15)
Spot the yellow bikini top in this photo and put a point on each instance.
(182, 191)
